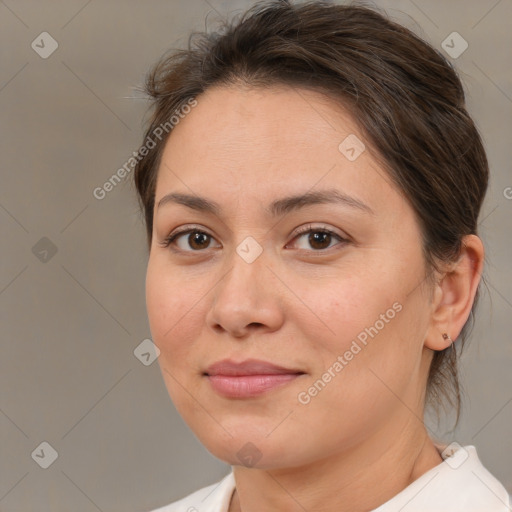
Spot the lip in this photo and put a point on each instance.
(248, 378)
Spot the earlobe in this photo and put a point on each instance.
(454, 295)
(447, 340)
(437, 340)
(447, 337)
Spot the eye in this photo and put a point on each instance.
(318, 238)
(196, 240)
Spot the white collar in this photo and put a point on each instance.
(459, 484)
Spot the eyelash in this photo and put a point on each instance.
(306, 229)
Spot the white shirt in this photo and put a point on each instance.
(459, 484)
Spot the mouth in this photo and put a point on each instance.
(248, 378)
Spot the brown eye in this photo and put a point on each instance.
(317, 239)
(198, 240)
(195, 241)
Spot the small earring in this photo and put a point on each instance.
(447, 337)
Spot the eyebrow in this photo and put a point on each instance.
(276, 208)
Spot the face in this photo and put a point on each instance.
(329, 288)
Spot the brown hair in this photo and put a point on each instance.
(406, 98)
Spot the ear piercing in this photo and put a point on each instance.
(447, 337)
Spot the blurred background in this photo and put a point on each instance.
(85, 421)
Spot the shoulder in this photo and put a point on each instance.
(213, 498)
(460, 484)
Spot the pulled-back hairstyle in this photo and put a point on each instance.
(406, 98)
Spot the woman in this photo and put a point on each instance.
(311, 184)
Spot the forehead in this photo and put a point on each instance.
(255, 118)
(268, 141)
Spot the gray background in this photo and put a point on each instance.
(70, 324)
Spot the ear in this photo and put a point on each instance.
(454, 293)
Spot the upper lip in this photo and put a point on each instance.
(248, 367)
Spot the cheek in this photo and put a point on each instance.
(344, 309)
(173, 309)
(171, 306)
(363, 324)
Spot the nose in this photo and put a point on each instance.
(246, 299)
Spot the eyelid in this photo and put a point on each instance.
(312, 227)
(182, 230)
(308, 228)
(190, 228)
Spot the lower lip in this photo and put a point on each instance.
(245, 386)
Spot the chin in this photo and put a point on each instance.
(249, 447)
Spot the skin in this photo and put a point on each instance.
(361, 440)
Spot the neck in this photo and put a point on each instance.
(355, 480)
